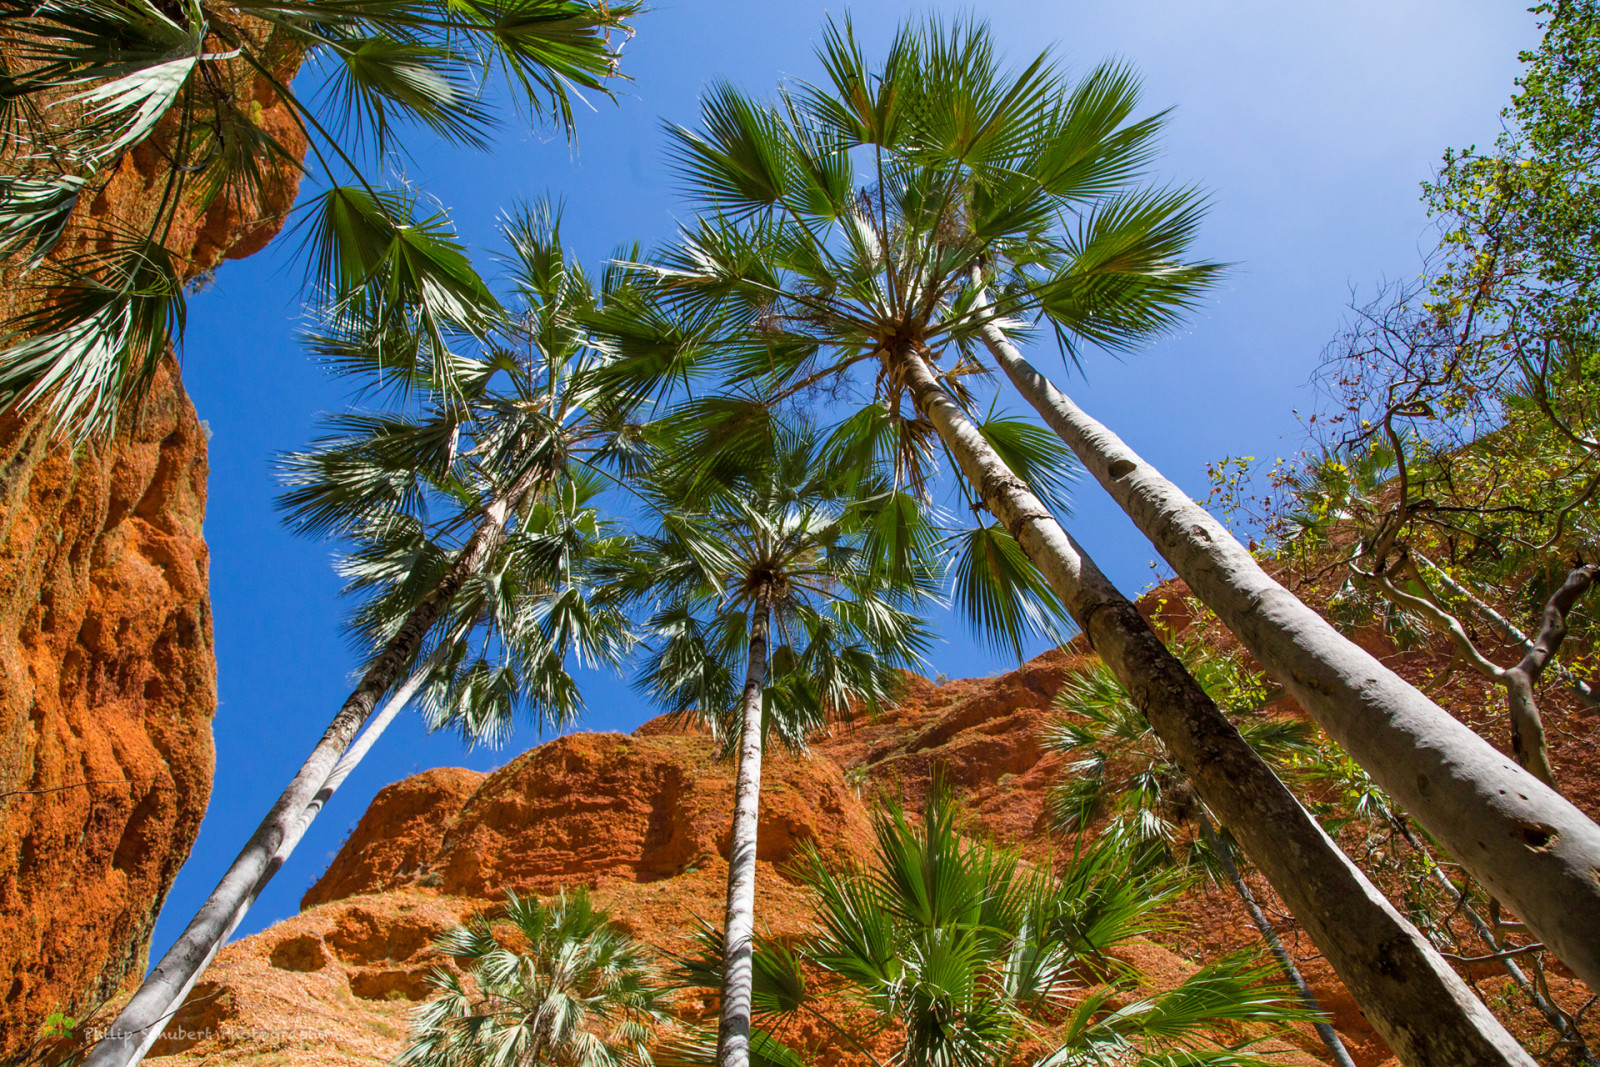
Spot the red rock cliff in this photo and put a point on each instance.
(107, 677)
(644, 820)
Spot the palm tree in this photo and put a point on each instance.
(565, 989)
(965, 954)
(89, 82)
(833, 254)
(1120, 771)
(773, 612)
(476, 544)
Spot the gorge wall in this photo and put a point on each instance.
(107, 675)
(643, 820)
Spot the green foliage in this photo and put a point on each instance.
(408, 487)
(1520, 218)
(965, 953)
(1455, 460)
(85, 82)
(852, 222)
(566, 988)
(1121, 773)
(785, 539)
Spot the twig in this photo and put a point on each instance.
(76, 785)
(1494, 956)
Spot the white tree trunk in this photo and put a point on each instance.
(1421, 1007)
(1529, 847)
(138, 1026)
(738, 953)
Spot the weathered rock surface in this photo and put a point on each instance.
(642, 819)
(107, 688)
(107, 676)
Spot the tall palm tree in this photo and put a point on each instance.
(773, 612)
(90, 82)
(566, 988)
(966, 955)
(833, 253)
(475, 548)
(1120, 771)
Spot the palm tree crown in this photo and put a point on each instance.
(565, 989)
(788, 538)
(528, 428)
(855, 221)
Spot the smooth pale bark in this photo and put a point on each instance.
(1529, 847)
(739, 921)
(1412, 997)
(1528, 743)
(1553, 1015)
(138, 1026)
(1269, 934)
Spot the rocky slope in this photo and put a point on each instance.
(643, 819)
(107, 678)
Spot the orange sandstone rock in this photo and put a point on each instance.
(107, 687)
(107, 676)
(643, 819)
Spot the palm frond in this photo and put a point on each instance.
(1001, 594)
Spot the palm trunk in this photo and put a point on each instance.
(1527, 845)
(738, 967)
(1420, 1006)
(138, 1026)
(1269, 934)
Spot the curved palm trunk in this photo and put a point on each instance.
(1527, 845)
(1269, 934)
(1421, 1007)
(137, 1027)
(738, 968)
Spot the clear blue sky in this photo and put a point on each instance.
(1311, 125)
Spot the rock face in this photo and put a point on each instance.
(107, 687)
(642, 819)
(107, 677)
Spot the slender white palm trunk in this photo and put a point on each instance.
(137, 1027)
(1421, 1007)
(1529, 847)
(1269, 934)
(738, 956)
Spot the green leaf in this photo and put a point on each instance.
(377, 75)
(99, 340)
(1001, 594)
(147, 94)
(37, 211)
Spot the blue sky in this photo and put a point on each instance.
(1310, 125)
